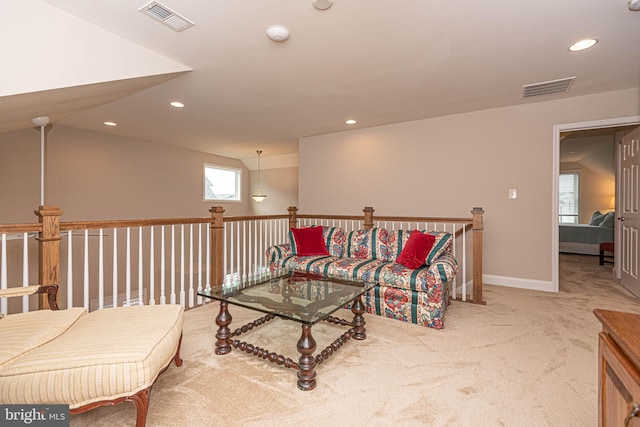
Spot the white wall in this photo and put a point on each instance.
(281, 187)
(57, 50)
(445, 166)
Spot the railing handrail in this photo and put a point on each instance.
(449, 220)
(253, 217)
(122, 223)
(94, 225)
(20, 228)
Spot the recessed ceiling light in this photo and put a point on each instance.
(111, 123)
(583, 44)
(177, 104)
(351, 122)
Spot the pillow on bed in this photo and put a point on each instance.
(596, 218)
(608, 220)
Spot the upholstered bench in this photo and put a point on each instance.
(88, 360)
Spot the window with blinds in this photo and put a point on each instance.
(569, 198)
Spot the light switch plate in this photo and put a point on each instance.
(512, 193)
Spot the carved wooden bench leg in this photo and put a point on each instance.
(177, 358)
(141, 400)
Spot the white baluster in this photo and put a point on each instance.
(127, 274)
(140, 269)
(172, 297)
(100, 271)
(85, 283)
(224, 250)
(191, 247)
(238, 259)
(231, 246)
(244, 249)
(162, 266)
(25, 270)
(115, 267)
(454, 286)
(256, 251)
(3, 274)
(208, 261)
(69, 269)
(182, 272)
(262, 242)
(152, 277)
(464, 265)
(200, 272)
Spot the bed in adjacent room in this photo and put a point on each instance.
(586, 238)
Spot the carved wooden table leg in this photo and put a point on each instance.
(358, 320)
(223, 319)
(306, 347)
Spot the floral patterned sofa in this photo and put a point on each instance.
(417, 295)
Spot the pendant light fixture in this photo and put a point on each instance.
(41, 121)
(258, 196)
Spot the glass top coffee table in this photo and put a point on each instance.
(304, 298)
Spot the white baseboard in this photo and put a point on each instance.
(514, 282)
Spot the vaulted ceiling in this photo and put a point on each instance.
(378, 62)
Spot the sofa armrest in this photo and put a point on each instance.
(19, 291)
(277, 252)
(444, 268)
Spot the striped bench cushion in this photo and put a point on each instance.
(107, 354)
(20, 333)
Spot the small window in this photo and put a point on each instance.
(569, 198)
(221, 183)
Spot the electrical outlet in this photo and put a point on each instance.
(512, 193)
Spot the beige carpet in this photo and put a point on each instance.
(525, 359)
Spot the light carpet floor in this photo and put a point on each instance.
(527, 358)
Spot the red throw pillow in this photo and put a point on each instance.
(415, 252)
(308, 241)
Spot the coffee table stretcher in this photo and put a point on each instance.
(306, 344)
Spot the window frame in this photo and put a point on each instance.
(238, 183)
(577, 197)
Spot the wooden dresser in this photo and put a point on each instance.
(618, 369)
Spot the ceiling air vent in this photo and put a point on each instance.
(545, 88)
(168, 17)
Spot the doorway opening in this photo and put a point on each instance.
(594, 131)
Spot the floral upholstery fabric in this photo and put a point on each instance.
(308, 264)
(442, 244)
(355, 268)
(418, 296)
(334, 237)
(372, 244)
(277, 253)
(422, 308)
(421, 279)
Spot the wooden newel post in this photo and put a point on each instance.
(217, 245)
(478, 227)
(48, 250)
(368, 217)
(293, 218)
